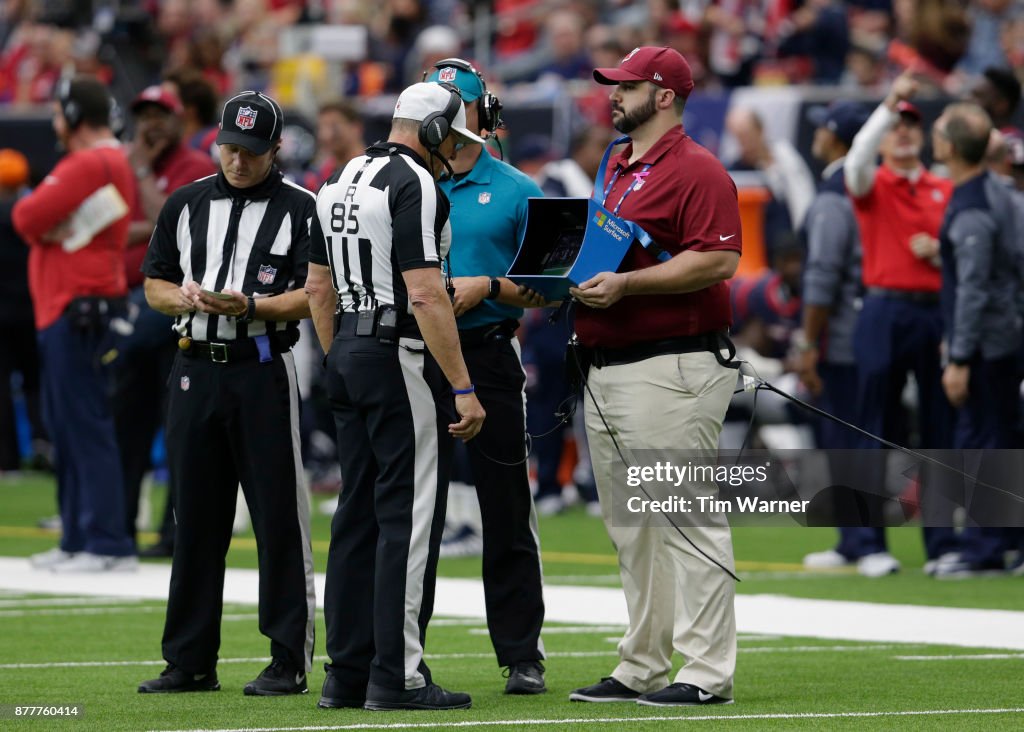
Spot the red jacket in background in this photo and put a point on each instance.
(56, 277)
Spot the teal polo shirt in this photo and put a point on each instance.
(488, 219)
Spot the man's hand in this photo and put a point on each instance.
(601, 291)
(954, 382)
(533, 298)
(237, 305)
(807, 370)
(146, 148)
(471, 415)
(925, 247)
(469, 292)
(903, 87)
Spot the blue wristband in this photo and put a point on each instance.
(460, 392)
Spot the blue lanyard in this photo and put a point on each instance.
(642, 236)
(637, 177)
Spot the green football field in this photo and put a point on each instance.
(89, 649)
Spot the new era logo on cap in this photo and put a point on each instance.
(251, 120)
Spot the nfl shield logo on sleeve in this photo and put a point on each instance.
(267, 274)
(185, 383)
(246, 118)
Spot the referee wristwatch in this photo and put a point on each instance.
(493, 288)
(250, 312)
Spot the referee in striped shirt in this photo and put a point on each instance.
(228, 260)
(393, 363)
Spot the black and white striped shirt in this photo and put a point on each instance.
(380, 215)
(254, 240)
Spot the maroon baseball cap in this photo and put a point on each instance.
(664, 67)
(908, 109)
(160, 96)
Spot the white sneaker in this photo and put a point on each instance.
(594, 509)
(878, 565)
(88, 562)
(932, 565)
(328, 506)
(45, 560)
(466, 543)
(550, 505)
(829, 559)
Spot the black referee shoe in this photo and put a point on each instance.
(681, 695)
(173, 680)
(526, 677)
(608, 690)
(334, 695)
(277, 679)
(431, 697)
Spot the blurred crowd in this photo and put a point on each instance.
(303, 50)
(330, 58)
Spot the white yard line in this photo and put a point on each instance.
(61, 612)
(464, 598)
(964, 657)
(60, 601)
(565, 629)
(618, 720)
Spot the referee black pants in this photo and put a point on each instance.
(392, 407)
(230, 423)
(511, 558)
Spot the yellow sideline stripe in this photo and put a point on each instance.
(249, 543)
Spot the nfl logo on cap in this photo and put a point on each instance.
(446, 74)
(246, 118)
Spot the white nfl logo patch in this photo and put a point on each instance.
(267, 274)
(447, 74)
(246, 118)
(484, 198)
(185, 383)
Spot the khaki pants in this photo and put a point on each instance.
(676, 598)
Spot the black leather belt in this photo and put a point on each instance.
(230, 351)
(640, 351)
(923, 296)
(503, 331)
(347, 323)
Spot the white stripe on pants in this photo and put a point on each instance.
(675, 597)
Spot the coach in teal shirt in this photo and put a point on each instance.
(488, 217)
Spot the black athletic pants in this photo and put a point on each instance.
(229, 423)
(392, 407)
(511, 559)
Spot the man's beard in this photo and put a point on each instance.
(631, 120)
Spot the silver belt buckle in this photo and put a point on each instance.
(219, 352)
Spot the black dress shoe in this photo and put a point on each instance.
(334, 694)
(157, 551)
(430, 696)
(277, 679)
(607, 690)
(173, 680)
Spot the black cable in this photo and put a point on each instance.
(563, 418)
(762, 384)
(611, 434)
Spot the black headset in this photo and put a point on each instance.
(69, 107)
(74, 113)
(488, 106)
(435, 128)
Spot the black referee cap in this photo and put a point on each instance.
(251, 120)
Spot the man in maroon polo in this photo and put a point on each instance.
(658, 381)
(162, 163)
